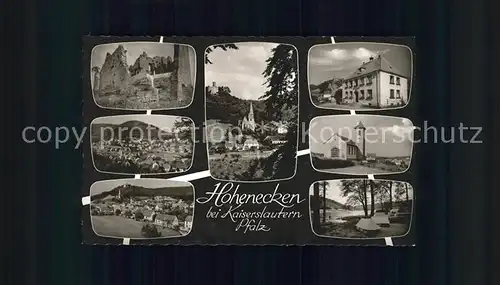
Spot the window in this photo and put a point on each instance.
(398, 94)
(370, 95)
(361, 82)
(398, 82)
(350, 97)
(369, 80)
(391, 79)
(392, 94)
(362, 94)
(335, 152)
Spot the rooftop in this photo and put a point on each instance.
(348, 141)
(375, 64)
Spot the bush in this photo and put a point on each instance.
(323, 163)
(138, 215)
(150, 231)
(128, 214)
(118, 212)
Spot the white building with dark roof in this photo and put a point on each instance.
(164, 220)
(377, 84)
(340, 147)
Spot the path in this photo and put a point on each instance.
(358, 169)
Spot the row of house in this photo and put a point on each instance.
(167, 221)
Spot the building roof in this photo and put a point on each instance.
(348, 141)
(359, 125)
(275, 138)
(376, 64)
(251, 141)
(163, 217)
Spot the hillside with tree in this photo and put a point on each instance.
(128, 190)
(227, 108)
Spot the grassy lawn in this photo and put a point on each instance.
(387, 167)
(347, 229)
(115, 226)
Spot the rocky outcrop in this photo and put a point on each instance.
(114, 72)
(146, 64)
(183, 75)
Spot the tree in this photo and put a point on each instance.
(138, 215)
(365, 195)
(128, 214)
(406, 192)
(356, 193)
(150, 231)
(224, 47)
(96, 70)
(399, 191)
(324, 185)
(315, 206)
(228, 135)
(281, 100)
(118, 212)
(381, 192)
(282, 89)
(183, 126)
(390, 194)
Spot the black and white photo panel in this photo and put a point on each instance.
(142, 144)
(141, 208)
(361, 208)
(143, 75)
(252, 111)
(360, 75)
(361, 144)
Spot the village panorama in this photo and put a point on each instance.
(142, 208)
(142, 144)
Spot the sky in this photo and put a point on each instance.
(107, 185)
(134, 50)
(341, 59)
(333, 192)
(241, 70)
(385, 136)
(160, 121)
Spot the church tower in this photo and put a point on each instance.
(360, 129)
(251, 119)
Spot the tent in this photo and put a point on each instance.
(381, 219)
(367, 225)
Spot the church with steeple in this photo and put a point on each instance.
(248, 122)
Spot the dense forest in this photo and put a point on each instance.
(229, 109)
